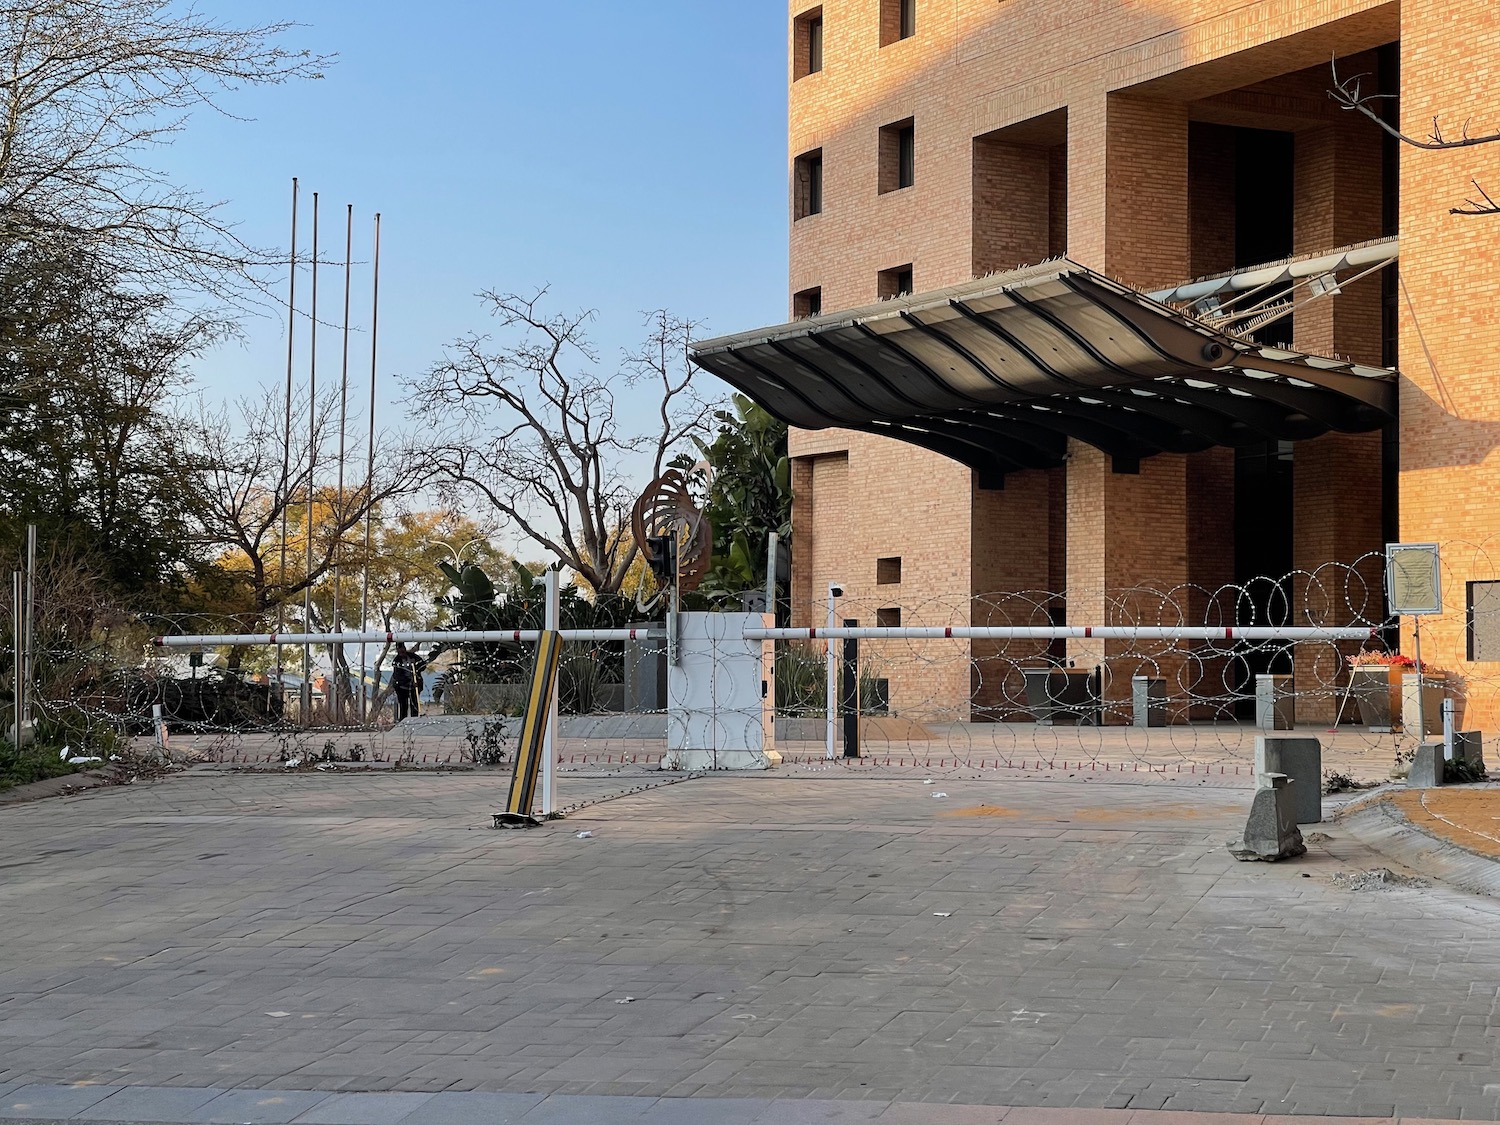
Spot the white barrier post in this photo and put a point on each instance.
(831, 691)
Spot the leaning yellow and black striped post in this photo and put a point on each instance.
(517, 812)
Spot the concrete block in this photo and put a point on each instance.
(1275, 703)
(1426, 767)
(1301, 759)
(1148, 697)
(1271, 832)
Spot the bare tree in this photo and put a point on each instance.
(245, 491)
(86, 86)
(529, 425)
(1349, 94)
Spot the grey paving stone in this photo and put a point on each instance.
(812, 1111)
(52, 1103)
(153, 1103)
(259, 1107)
(473, 1108)
(364, 1109)
(709, 1111)
(576, 1109)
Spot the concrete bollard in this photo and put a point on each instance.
(1271, 833)
(1148, 698)
(1426, 767)
(1301, 759)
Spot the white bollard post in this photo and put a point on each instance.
(1447, 730)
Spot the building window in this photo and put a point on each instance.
(807, 302)
(895, 283)
(807, 193)
(807, 44)
(898, 156)
(898, 20)
(888, 617)
(1484, 621)
(888, 571)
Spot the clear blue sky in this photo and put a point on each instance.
(630, 155)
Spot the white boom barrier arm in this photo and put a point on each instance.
(1069, 633)
(839, 633)
(206, 640)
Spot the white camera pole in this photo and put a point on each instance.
(832, 669)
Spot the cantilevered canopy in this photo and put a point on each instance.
(1000, 372)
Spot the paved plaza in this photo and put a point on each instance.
(773, 948)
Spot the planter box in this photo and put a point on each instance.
(1377, 690)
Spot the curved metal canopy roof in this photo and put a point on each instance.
(1000, 372)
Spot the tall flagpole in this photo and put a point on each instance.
(286, 440)
(364, 598)
(312, 464)
(341, 687)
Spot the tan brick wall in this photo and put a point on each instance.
(1449, 333)
(1211, 199)
(876, 498)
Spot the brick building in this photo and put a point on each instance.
(965, 179)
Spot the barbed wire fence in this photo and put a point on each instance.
(1144, 698)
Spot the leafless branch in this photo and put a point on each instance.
(1350, 95)
(86, 87)
(244, 489)
(529, 427)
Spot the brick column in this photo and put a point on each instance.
(1336, 479)
(802, 543)
(1127, 551)
(1009, 580)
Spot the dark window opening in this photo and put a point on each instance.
(807, 302)
(808, 185)
(895, 283)
(1263, 212)
(1262, 559)
(807, 44)
(888, 617)
(888, 571)
(898, 20)
(897, 156)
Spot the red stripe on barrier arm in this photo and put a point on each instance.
(273, 641)
(948, 632)
(389, 637)
(1228, 634)
(1088, 631)
(812, 633)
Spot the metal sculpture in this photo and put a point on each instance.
(674, 536)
